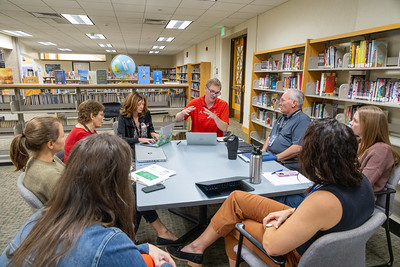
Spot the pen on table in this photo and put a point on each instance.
(178, 143)
(276, 171)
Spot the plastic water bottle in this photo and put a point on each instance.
(255, 165)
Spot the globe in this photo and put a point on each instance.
(123, 66)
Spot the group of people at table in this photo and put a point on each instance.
(89, 201)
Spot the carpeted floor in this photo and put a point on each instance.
(14, 212)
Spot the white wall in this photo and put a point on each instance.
(5, 41)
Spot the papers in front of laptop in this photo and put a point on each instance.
(151, 174)
(286, 180)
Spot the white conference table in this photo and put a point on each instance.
(201, 163)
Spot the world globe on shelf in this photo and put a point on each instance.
(123, 66)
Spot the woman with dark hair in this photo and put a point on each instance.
(329, 159)
(134, 121)
(88, 221)
(43, 137)
(90, 117)
(375, 152)
(135, 125)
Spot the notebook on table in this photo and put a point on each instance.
(224, 186)
(205, 139)
(164, 137)
(149, 154)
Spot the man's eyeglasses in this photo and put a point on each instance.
(213, 92)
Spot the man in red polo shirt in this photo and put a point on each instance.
(209, 113)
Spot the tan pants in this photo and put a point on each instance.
(249, 209)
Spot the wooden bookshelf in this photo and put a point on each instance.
(200, 73)
(346, 93)
(273, 72)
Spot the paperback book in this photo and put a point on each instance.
(151, 175)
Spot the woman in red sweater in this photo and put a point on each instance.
(90, 117)
(375, 152)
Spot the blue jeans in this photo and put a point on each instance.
(291, 200)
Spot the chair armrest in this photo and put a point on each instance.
(280, 260)
(385, 191)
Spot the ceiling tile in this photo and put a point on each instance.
(256, 8)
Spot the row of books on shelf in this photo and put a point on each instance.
(183, 69)
(83, 76)
(269, 82)
(7, 123)
(196, 68)
(269, 100)
(47, 99)
(381, 90)
(326, 86)
(361, 54)
(195, 94)
(6, 98)
(289, 61)
(105, 98)
(349, 113)
(293, 82)
(266, 117)
(196, 76)
(195, 86)
(321, 110)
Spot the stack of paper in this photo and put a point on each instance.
(152, 174)
(286, 180)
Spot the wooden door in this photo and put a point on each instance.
(237, 77)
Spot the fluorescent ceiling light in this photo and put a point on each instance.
(46, 43)
(64, 49)
(154, 52)
(158, 47)
(105, 45)
(111, 51)
(178, 24)
(78, 19)
(95, 36)
(17, 33)
(165, 39)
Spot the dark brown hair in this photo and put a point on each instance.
(94, 189)
(131, 103)
(329, 154)
(87, 108)
(38, 131)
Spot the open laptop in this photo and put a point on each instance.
(164, 137)
(207, 139)
(149, 154)
(224, 186)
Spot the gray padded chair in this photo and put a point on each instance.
(115, 127)
(27, 195)
(345, 248)
(384, 202)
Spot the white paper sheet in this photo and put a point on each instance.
(287, 180)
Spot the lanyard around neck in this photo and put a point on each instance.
(87, 129)
(286, 120)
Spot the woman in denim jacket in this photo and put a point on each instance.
(88, 221)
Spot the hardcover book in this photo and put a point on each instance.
(157, 77)
(101, 76)
(6, 76)
(143, 74)
(59, 77)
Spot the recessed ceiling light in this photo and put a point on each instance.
(111, 51)
(158, 47)
(165, 39)
(17, 33)
(78, 19)
(64, 49)
(178, 24)
(95, 36)
(154, 52)
(105, 45)
(46, 43)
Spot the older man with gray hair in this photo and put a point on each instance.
(286, 136)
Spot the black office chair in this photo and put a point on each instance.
(111, 110)
(384, 202)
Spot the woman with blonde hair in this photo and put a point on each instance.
(88, 221)
(33, 152)
(375, 152)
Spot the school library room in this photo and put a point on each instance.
(244, 132)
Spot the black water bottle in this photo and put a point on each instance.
(232, 144)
